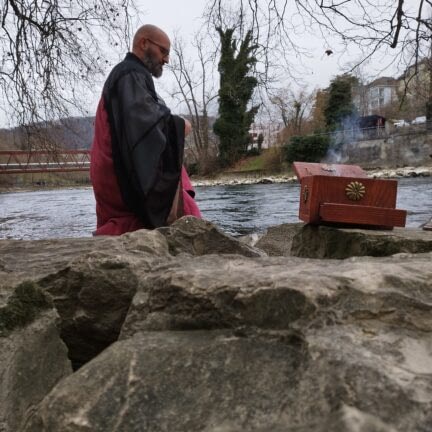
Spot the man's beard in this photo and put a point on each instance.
(152, 65)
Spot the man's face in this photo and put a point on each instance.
(156, 55)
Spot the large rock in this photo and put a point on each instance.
(199, 237)
(33, 358)
(277, 241)
(273, 293)
(92, 281)
(173, 335)
(22, 260)
(270, 342)
(320, 241)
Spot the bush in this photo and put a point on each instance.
(311, 148)
(253, 152)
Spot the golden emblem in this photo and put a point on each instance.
(355, 191)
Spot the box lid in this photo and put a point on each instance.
(306, 169)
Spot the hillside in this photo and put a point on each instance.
(69, 133)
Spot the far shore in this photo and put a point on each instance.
(254, 177)
(243, 178)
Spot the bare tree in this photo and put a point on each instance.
(372, 26)
(51, 53)
(293, 107)
(196, 92)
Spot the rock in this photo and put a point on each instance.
(33, 358)
(346, 419)
(277, 241)
(21, 260)
(199, 237)
(427, 226)
(166, 334)
(92, 293)
(328, 242)
(212, 292)
(175, 381)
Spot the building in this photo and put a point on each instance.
(269, 132)
(376, 96)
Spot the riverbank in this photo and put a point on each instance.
(255, 177)
(236, 178)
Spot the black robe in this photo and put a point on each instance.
(147, 142)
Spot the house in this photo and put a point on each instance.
(268, 131)
(374, 97)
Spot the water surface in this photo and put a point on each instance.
(238, 209)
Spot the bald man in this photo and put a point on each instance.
(137, 153)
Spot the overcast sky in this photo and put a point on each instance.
(317, 68)
(185, 18)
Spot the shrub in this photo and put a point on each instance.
(253, 152)
(310, 148)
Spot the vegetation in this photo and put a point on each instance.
(236, 88)
(52, 53)
(23, 306)
(339, 103)
(311, 148)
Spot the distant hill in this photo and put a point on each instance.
(70, 133)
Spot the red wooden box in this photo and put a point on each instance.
(343, 194)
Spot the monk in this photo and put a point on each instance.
(137, 168)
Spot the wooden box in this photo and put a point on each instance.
(343, 194)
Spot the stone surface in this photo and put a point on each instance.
(330, 242)
(273, 343)
(199, 237)
(170, 333)
(33, 358)
(21, 260)
(277, 241)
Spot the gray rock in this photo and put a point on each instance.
(92, 296)
(329, 242)
(274, 293)
(217, 380)
(22, 260)
(199, 237)
(173, 337)
(33, 358)
(277, 241)
(346, 419)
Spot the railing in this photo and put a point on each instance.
(352, 135)
(22, 162)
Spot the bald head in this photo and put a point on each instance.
(152, 46)
(148, 31)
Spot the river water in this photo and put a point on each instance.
(238, 209)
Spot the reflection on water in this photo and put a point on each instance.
(238, 209)
(242, 209)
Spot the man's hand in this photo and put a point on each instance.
(188, 127)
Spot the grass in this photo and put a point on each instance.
(269, 161)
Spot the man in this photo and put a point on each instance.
(137, 153)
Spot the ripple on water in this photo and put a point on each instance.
(237, 209)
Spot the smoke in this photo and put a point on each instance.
(348, 134)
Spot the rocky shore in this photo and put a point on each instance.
(188, 329)
(258, 178)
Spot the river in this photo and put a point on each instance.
(238, 209)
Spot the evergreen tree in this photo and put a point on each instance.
(236, 89)
(339, 103)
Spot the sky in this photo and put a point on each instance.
(316, 69)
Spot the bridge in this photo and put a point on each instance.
(42, 161)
